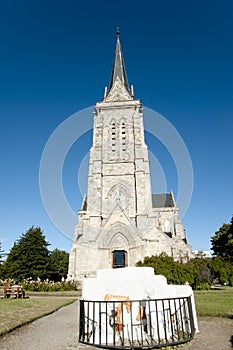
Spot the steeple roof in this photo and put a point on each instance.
(118, 68)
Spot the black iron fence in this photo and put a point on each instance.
(139, 324)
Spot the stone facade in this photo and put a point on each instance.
(121, 221)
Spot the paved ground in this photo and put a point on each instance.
(215, 334)
(58, 331)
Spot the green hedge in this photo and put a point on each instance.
(200, 273)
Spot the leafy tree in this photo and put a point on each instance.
(59, 260)
(29, 257)
(222, 270)
(229, 246)
(201, 272)
(174, 271)
(222, 241)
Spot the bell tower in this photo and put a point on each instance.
(119, 172)
(120, 221)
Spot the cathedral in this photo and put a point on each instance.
(120, 220)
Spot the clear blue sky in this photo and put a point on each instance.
(56, 58)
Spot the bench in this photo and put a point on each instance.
(14, 291)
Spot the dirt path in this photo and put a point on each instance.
(59, 331)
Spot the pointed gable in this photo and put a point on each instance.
(118, 92)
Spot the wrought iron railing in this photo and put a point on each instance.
(139, 324)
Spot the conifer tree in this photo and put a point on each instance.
(1, 257)
(29, 257)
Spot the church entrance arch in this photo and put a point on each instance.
(119, 259)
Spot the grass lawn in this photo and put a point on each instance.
(17, 312)
(72, 293)
(215, 302)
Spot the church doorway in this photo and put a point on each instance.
(119, 259)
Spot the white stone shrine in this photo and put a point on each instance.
(123, 294)
(121, 221)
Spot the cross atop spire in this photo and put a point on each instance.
(118, 32)
(118, 68)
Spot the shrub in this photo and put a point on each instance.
(49, 286)
(199, 272)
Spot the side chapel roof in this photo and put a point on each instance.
(163, 200)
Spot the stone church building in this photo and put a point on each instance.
(121, 221)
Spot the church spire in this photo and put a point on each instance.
(118, 68)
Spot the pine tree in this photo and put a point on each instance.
(29, 257)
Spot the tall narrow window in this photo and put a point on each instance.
(123, 136)
(113, 136)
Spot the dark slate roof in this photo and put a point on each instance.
(84, 203)
(162, 200)
(118, 68)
